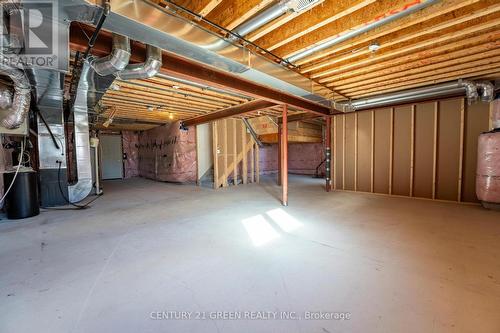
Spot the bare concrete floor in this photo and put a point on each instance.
(393, 264)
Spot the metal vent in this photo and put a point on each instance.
(300, 5)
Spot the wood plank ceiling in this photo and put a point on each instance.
(448, 40)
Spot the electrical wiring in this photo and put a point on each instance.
(17, 171)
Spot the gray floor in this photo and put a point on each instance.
(392, 264)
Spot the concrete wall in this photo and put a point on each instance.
(426, 150)
(204, 148)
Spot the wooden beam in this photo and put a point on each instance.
(412, 149)
(183, 68)
(328, 153)
(391, 150)
(200, 7)
(244, 166)
(280, 134)
(235, 151)
(311, 21)
(434, 149)
(284, 158)
(461, 151)
(225, 150)
(215, 154)
(230, 112)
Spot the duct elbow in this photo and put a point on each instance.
(117, 60)
(470, 91)
(145, 70)
(487, 90)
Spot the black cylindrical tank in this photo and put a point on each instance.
(22, 200)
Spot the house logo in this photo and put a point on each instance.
(29, 33)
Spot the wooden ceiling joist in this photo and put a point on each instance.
(230, 112)
(443, 9)
(310, 21)
(415, 34)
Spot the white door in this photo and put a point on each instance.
(111, 156)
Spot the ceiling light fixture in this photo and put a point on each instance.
(171, 115)
(373, 47)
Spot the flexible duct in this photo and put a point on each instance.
(470, 91)
(20, 105)
(487, 90)
(117, 60)
(5, 96)
(147, 69)
(407, 10)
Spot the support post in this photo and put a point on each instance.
(284, 157)
(279, 154)
(328, 152)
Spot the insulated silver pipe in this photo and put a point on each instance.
(117, 60)
(265, 17)
(145, 70)
(413, 95)
(251, 25)
(356, 32)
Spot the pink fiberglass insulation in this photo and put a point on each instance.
(167, 153)
(303, 158)
(131, 150)
(495, 113)
(488, 167)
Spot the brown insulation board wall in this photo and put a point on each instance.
(424, 150)
(364, 132)
(402, 150)
(350, 163)
(476, 122)
(382, 150)
(338, 149)
(440, 141)
(448, 149)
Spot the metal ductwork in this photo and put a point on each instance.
(407, 10)
(82, 188)
(144, 70)
(266, 16)
(181, 37)
(19, 107)
(487, 91)
(117, 60)
(413, 95)
(48, 92)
